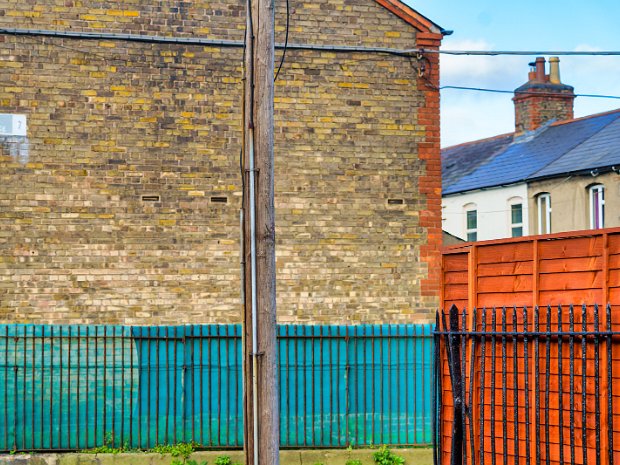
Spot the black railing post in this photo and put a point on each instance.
(472, 359)
(454, 362)
(610, 406)
(597, 393)
(436, 416)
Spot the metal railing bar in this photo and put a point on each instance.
(610, 407)
(437, 394)
(537, 382)
(560, 388)
(482, 382)
(515, 371)
(571, 349)
(584, 399)
(526, 359)
(87, 416)
(541, 334)
(493, 390)
(463, 387)
(472, 358)
(78, 389)
(597, 408)
(504, 406)
(138, 337)
(547, 387)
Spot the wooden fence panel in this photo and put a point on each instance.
(556, 269)
(534, 397)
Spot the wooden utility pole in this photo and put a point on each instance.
(262, 430)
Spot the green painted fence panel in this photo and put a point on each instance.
(78, 387)
(64, 387)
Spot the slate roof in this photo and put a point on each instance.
(582, 144)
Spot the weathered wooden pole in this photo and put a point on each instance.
(260, 381)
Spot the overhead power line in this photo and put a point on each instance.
(197, 41)
(524, 52)
(497, 91)
(235, 43)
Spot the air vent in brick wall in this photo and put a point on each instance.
(219, 199)
(151, 198)
(396, 201)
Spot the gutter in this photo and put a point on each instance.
(485, 188)
(585, 172)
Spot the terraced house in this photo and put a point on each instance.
(555, 173)
(120, 187)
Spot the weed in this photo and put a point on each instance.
(385, 456)
(354, 462)
(108, 446)
(182, 449)
(162, 449)
(225, 460)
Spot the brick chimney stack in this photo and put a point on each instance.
(543, 97)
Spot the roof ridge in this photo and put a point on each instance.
(472, 142)
(533, 175)
(581, 118)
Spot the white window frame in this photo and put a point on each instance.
(512, 202)
(471, 207)
(546, 215)
(597, 210)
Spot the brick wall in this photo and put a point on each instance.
(125, 207)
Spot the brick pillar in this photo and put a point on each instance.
(430, 182)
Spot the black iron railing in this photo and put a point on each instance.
(78, 387)
(527, 386)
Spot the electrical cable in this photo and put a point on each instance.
(334, 48)
(522, 52)
(202, 42)
(285, 41)
(41, 39)
(525, 92)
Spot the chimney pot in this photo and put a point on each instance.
(554, 70)
(540, 69)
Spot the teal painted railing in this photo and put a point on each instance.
(77, 387)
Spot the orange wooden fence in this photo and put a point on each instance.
(536, 385)
(565, 268)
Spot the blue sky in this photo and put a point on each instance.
(524, 25)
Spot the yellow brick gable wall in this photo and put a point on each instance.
(114, 125)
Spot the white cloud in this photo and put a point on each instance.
(480, 71)
(470, 117)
